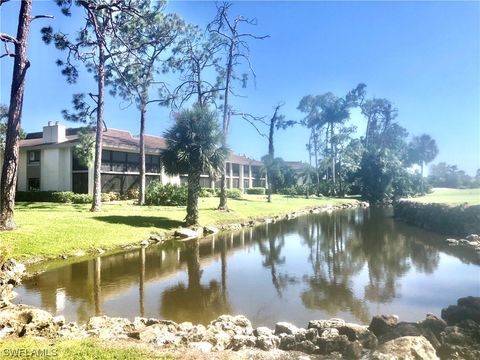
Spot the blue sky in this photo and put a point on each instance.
(423, 56)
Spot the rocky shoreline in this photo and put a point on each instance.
(454, 336)
(194, 232)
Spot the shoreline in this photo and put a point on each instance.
(183, 234)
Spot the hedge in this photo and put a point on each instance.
(459, 220)
(255, 191)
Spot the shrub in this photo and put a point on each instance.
(132, 194)
(169, 195)
(82, 198)
(234, 193)
(62, 196)
(207, 192)
(256, 191)
(5, 253)
(111, 196)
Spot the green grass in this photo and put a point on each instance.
(48, 229)
(451, 196)
(72, 350)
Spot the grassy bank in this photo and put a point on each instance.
(450, 197)
(72, 350)
(48, 229)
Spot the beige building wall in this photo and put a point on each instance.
(22, 171)
(56, 169)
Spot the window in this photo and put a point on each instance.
(77, 165)
(205, 182)
(34, 184)
(245, 171)
(183, 180)
(228, 169)
(34, 157)
(246, 184)
(236, 183)
(236, 169)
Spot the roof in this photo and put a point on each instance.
(111, 137)
(125, 140)
(243, 160)
(295, 165)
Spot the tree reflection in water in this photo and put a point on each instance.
(197, 302)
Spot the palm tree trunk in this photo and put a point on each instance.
(10, 162)
(192, 199)
(97, 181)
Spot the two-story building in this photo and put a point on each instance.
(47, 162)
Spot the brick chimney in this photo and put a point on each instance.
(54, 133)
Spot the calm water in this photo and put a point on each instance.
(351, 264)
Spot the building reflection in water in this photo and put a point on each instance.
(318, 260)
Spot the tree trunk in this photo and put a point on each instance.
(226, 122)
(334, 159)
(97, 181)
(315, 149)
(192, 201)
(10, 162)
(141, 194)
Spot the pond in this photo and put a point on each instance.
(350, 264)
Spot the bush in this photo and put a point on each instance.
(234, 193)
(132, 194)
(111, 196)
(62, 196)
(255, 191)
(207, 192)
(82, 198)
(169, 195)
(5, 253)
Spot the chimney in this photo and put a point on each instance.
(54, 133)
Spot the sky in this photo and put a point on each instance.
(422, 56)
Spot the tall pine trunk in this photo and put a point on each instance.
(271, 153)
(10, 162)
(226, 120)
(141, 195)
(192, 198)
(97, 181)
(334, 160)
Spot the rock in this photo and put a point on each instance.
(267, 342)
(452, 241)
(186, 233)
(353, 350)
(435, 324)
(381, 324)
(466, 308)
(242, 341)
(202, 346)
(285, 328)
(331, 341)
(473, 237)
(159, 334)
(11, 274)
(307, 346)
(59, 320)
(100, 251)
(287, 342)
(321, 325)
(144, 243)
(156, 238)
(105, 327)
(406, 348)
(79, 253)
(461, 341)
(263, 331)
(359, 333)
(210, 229)
(402, 329)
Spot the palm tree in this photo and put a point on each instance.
(423, 150)
(194, 148)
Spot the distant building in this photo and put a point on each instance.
(47, 162)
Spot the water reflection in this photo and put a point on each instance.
(351, 264)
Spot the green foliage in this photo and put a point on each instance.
(279, 174)
(81, 198)
(422, 150)
(85, 149)
(207, 192)
(131, 194)
(5, 253)
(450, 176)
(166, 195)
(255, 191)
(234, 193)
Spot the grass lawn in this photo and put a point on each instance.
(451, 196)
(48, 229)
(72, 350)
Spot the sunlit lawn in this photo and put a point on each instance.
(451, 196)
(47, 229)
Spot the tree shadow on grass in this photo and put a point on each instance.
(141, 221)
